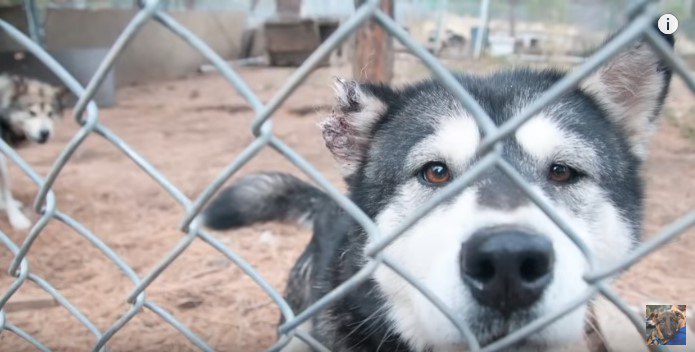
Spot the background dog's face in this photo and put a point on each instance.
(666, 324)
(489, 253)
(34, 108)
(35, 121)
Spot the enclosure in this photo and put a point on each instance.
(116, 259)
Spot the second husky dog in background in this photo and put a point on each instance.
(28, 111)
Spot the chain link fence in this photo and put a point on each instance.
(87, 115)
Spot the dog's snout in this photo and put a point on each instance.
(43, 136)
(507, 270)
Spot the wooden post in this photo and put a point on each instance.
(440, 27)
(373, 53)
(482, 28)
(512, 17)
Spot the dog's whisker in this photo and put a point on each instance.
(369, 319)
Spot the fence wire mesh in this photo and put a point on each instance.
(87, 115)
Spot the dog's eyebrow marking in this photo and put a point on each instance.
(545, 140)
(540, 137)
(454, 142)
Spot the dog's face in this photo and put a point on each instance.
(34, 108)
(35, 121)
(495, 259)
(666, 324)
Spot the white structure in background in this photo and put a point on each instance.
(501, 45)
(327, 8)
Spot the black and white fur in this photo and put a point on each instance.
(28, 111)
(382, 137)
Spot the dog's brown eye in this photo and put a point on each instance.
(32, 113)
(436, 173)
(561, 173)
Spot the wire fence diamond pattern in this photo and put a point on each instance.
(87, 115)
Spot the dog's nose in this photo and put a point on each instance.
(507, 270)
(43, 136)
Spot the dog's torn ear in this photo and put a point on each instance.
(348, 130)
(61, 95)
(632, 87)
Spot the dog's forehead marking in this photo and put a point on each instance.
(458, 138)
(454, 141)
(540, 137)
(545, 139)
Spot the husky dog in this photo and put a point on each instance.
(488, 253)
(28, 110)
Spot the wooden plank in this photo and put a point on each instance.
(23, 304)
(373, 54)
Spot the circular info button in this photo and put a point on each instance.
(668, 23)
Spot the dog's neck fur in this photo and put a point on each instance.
(595, 340)
(358, 320)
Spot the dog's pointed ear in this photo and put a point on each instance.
(61, 92)
(60, 97)
(20, 87)
(632, 88)
(348, 130)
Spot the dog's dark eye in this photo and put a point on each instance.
(435, 173)
(561, 173)
(32, 113)
(50, 114)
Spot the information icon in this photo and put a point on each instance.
(668, 23)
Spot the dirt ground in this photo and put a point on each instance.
(190, 130)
